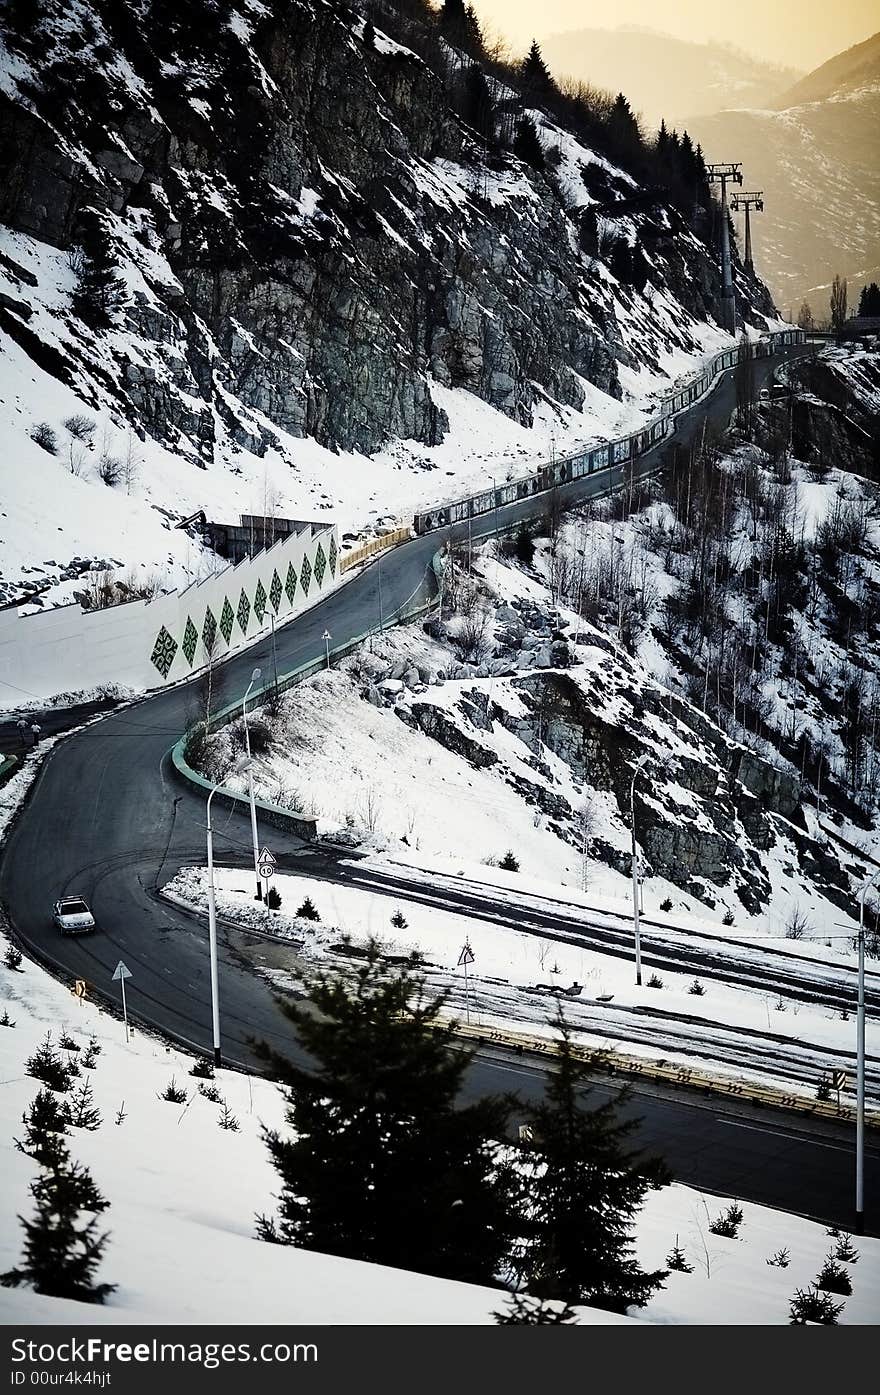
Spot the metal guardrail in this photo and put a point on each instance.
(303, 825)
(614, 1062)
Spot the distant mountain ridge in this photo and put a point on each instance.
(815, 157)
(666, 77)
(844, 72)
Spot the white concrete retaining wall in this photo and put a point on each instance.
(148, 644)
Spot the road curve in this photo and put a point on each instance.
(106, 818)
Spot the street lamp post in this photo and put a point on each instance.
(247, 741)
(274, 653)
(381, 607)
(860, 1065)
(635, 869)
(212, 937)
(327, 638)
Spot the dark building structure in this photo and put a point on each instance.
(253, 534)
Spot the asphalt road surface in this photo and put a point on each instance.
(106, 818)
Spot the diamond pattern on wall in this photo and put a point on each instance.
(275, 591)
(209, 631)
(333, 552)
(320, 564)
(305, 575)
(163, 652)
(227, 619)
(190, 640)
(243, 612)
(260, 601)
(290, 585)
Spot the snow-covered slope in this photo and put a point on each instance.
(815, 158)
(330, 294)
(183, 1194)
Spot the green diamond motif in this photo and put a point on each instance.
(209, 630)
(190, 640)
(275, 592)
(305, 575)
(227, 619)
(320, 564)
(244, 612)
(260, 601)
(163, 652)
(290, 585)
(333, 555)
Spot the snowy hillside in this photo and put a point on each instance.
(183, 1192)
(528, 721)
(815, 157)
(258, 311)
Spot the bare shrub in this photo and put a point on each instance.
(473, 638)
(43, 435)
(797, 925)
(81, 427)
(110, 470)
(100, 593)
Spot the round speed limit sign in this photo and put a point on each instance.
(266, 870)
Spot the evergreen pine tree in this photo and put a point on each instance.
(478, 107)
(45, 1122)
(473, 32)
(622, 261)
(588, 232)
(453, 21)
(527, 144)
(686, 159)
(46, 1065)
(623, 131)
(523, 545)
(535, 76)
(383, 1164)
(584, 1190)
(677, 1259)
(62, 1250)
(460, 26)
(83, 1112)
(869, 301)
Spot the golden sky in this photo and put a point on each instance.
(797, 33)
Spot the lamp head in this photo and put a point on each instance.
(257, 673)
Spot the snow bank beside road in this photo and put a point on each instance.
(183, 1194)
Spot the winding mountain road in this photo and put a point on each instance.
(106, 818)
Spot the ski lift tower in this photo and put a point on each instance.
(744, 203)
(724, 174)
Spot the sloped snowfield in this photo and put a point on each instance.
(183, 1194)
(436, 793)
(69, 372)
(129, 527)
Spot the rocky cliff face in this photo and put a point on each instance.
(309, 235)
